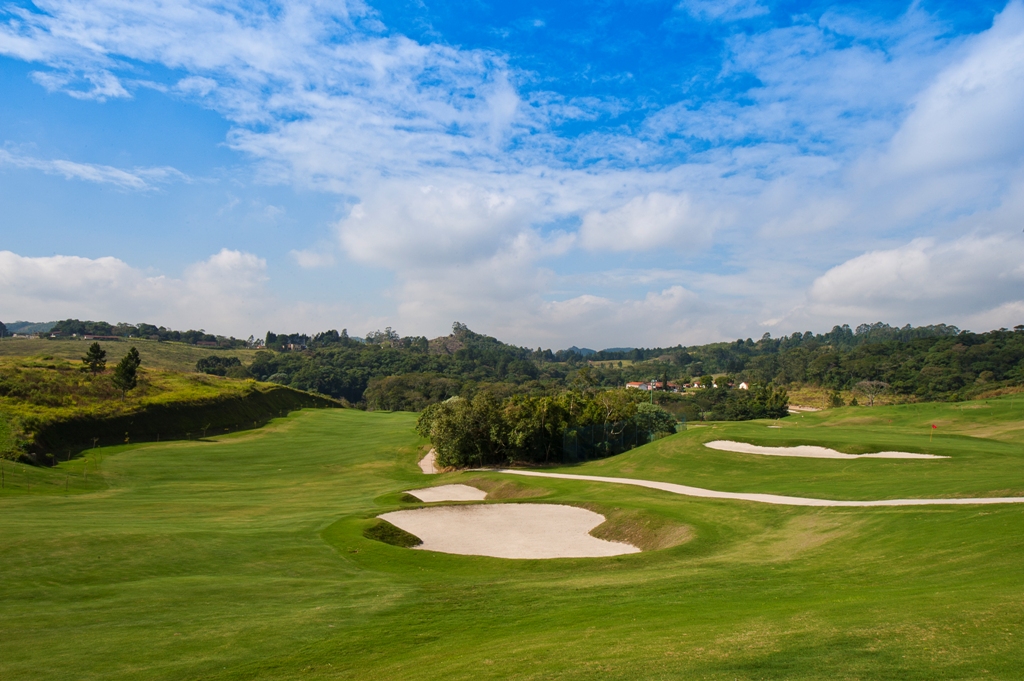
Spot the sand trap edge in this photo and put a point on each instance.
(809, 451)
(510, 531)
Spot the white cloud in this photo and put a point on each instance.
(723, 10)
(973, 277)
(312, 259)
(971, 114)
(137, 178)
(225, 293)
(647, 222)
(400, 224)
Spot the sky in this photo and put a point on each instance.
(602, 174)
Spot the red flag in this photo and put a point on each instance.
(934, 426)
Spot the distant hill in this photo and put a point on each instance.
(29, 327)
(582, 352)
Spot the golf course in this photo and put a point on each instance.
(250, 555)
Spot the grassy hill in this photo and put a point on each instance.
(168, 356)
(243, 557)
(50, 408)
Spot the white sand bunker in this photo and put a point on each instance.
(810, 451)
(428, 464)
(449, 493)
(508, 531)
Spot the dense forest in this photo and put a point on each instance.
(390, 372)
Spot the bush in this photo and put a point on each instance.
(215, 365)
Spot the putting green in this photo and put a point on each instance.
(244, 558)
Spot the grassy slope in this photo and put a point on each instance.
(155, 355)
(49, 403)
(244, 559)
(984, 440)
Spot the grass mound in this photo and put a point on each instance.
(505, 489)
(49, 406)
(645, 530)
(383, 531)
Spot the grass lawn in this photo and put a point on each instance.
(243, 558)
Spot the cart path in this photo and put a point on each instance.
(686, 490)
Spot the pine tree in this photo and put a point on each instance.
(95, 359)
(126, 372)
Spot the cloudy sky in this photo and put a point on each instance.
(593, 173)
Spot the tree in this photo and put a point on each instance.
(871, 390)
(3, 330)
(653, 419)
(126, 372)
(95, 359)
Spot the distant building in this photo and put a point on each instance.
(743, 386)
(639, 385)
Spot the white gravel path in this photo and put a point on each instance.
(508, 531)
(767, 498)
(810, 451)
(449, 493)
(428, 463)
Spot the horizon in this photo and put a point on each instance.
(640, 174)
(856, 330)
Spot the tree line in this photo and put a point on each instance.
(486, 430)
(67, 328)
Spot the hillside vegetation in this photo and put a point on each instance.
(49, 407)
(168, 356)
(389, 372)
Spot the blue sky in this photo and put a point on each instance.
(602, 174)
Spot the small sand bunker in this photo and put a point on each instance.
(508, 531)
(810, 451)
(449, 493)
(428, 463)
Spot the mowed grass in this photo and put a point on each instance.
(984, 441)
(244, 558)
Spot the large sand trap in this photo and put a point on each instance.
(428, 463)
(449, 493)
(767, 498)
(810, 451)
(508, 531)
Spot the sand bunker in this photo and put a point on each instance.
(449, 493)
(508, 531)
(428, 463)
(767, 498)
(810, 451)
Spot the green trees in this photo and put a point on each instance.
(95, 359)
(126, 372)
(653, 419)
(486, 430)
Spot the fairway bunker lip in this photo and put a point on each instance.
(810, 451)
(448, 493)
(518, 531)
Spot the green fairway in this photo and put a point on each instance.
(244, 558)
(984, 440)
